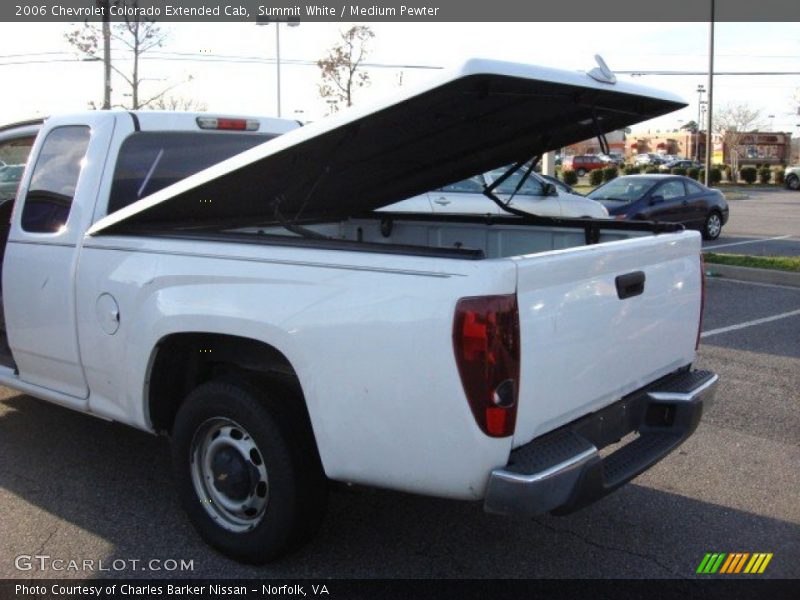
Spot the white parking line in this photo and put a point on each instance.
(766, 285)
(785, 315)
(772, 239)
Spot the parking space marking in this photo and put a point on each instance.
(772, 239)
(791, 288)
(785, 315)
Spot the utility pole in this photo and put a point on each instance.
(700, 90)
(291, 22)
(709, 128)
(106, 6)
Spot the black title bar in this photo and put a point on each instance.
(412, 11)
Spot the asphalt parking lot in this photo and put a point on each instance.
(75, 487)
(764, 223)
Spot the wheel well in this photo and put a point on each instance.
(183, 361)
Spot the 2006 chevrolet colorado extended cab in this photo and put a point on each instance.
(261, 313)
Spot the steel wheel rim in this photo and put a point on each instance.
(794, 183)
(714, 225)
(229, 475)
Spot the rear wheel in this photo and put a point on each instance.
(713, 226)
(581, 172)
(793, 182)
(248, 472)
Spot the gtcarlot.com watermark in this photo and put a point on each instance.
(47, 563)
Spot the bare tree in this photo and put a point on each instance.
(341, 75)
(733, 122)
(691, 126)
(135, 34)
(178, 103)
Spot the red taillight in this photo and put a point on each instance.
(702, 299)
(486, 344)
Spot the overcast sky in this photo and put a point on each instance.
(249, 88)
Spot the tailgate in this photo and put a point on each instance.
(582, 346)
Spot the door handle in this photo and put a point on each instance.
(630, 284)
(442, 201)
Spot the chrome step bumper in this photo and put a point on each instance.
(563, 470)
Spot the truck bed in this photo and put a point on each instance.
(582, 346)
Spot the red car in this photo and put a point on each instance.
(582, 164)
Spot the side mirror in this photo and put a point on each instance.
(549, 189)
(657, 199)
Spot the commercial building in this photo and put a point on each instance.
(763, 147)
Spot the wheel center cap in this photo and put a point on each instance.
(231, 474)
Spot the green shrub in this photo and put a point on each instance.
(651, 170)
(610, 173)
(748, 174)
(570, 177)
(716, 176)
(694, 173)
(632, 170)
(764, 175)
(678, 171)
(779, 175)
(596, 177)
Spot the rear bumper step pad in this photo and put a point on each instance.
(563, 470)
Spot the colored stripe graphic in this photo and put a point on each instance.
(732, 558)
(720, 562)
(765, 563)
(741, 562)
(758, 563)
(711, 562)
(703, 563)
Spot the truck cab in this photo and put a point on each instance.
(85, 166)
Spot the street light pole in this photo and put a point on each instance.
(278, 63)
(709, 128)
(290, 23)
(700, 90)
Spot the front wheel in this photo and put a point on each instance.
(581, 172)
(248, 472)
(793, 182)
(713, 226)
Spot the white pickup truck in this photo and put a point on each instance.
(284, 334)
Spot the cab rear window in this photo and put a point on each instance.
(150, 161)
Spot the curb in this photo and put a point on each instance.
(770, 276)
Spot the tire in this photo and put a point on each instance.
(713, 226)
(581, 172)
(793, 182)
(269, 503)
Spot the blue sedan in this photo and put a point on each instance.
(665, 198)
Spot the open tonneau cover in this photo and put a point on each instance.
(478, 117)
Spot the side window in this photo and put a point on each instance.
(671, 190)
(693, 188)
(473, 185)
(54, 178)
(13, 154)
(531, 187)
